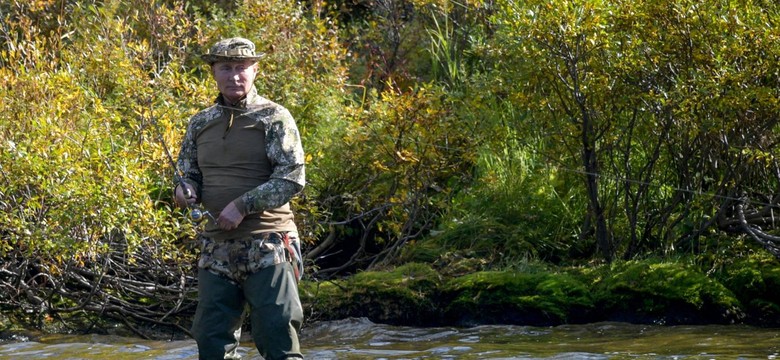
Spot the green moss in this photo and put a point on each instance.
(413, 276)
(771, 275)
(512, 297)
(665, 292)
(755, 280)
(645, 291)
(402, 295)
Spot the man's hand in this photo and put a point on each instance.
(230, 217)
(184, 195)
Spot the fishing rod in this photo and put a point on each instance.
(196, 214)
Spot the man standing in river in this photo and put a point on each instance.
(242, 159)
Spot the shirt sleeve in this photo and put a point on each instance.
(187, 163)
(285, 152)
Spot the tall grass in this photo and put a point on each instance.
(517, 209)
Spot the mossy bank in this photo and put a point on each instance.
(644, 291)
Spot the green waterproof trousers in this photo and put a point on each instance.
(275, 314)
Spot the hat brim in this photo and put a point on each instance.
(211, 59)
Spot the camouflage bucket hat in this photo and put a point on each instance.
(231, 49)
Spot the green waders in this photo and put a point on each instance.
(275, 313)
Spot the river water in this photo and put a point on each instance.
(362, 339)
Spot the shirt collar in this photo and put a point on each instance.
(241, 104)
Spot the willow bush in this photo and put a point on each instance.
(87, 228)
(666, 110)
(392, 192)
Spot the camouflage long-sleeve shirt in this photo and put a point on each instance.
(248, 153)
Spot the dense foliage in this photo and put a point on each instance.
(447, 132)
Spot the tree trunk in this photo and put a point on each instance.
(590, 163)
(602, 235)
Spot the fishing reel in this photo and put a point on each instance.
(197, 215)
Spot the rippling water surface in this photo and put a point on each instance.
(361, 339)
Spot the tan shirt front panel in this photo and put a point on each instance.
(232, 157)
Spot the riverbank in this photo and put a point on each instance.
(468, 292)
(741, 291)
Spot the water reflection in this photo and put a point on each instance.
(361, 339)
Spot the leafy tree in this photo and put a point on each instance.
(652, 99)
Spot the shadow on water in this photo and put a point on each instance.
(362, 339)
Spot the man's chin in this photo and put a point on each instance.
(233, 96)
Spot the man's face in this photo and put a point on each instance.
(234, 78)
